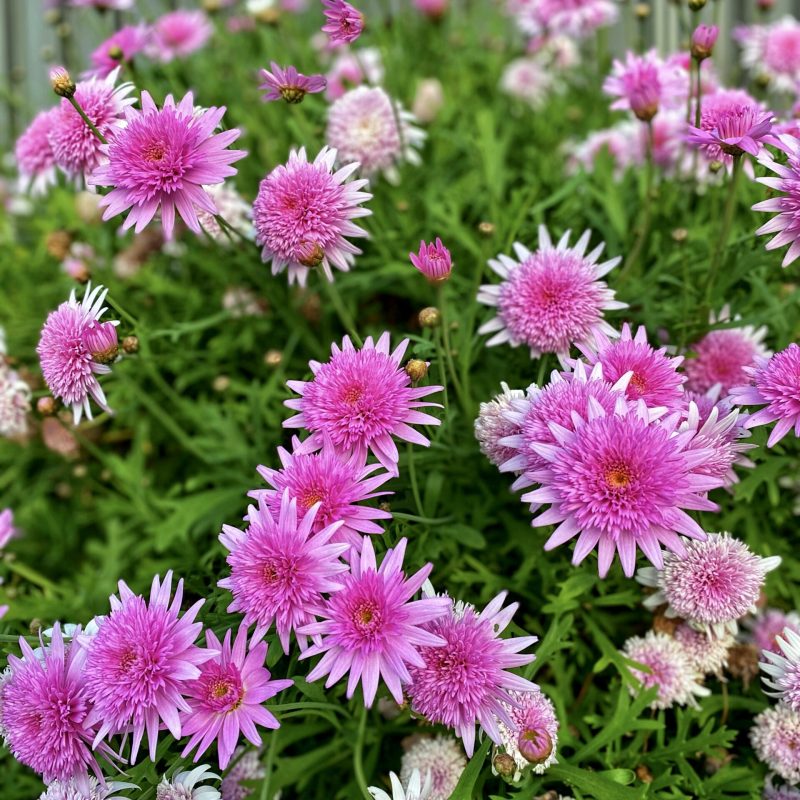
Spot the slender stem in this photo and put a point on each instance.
(123, 313)
(227, 227)
(647, 212)
(689, 95)
(273, 746)
(358, 755)
(699, 94)
(448, 355)
(412, 474)
(341, 310)
(727, 221)
(92, 127)
(10, 638)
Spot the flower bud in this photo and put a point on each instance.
(221, 383)
(703, 40)
(433, 261)
(428, 100)
(642, 10)
(100, 339)
(130, 345)
(486, 228)
(61, 82)
(429, 317)
(115, 53)
(715, 166)
(504, 765)
(46, 406)
(765, 5)
(273, 358)
(311, 254)
(535, 745)
(416, 369)
(57, 244)
(697, 5)
(680, 235)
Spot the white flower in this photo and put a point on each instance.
(415, 790)
(183, 786)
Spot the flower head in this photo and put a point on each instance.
(368, 126)
(289, 84)
(247, 766)
(344, 22)
(721, 356)
(162, 159)
(178, 34)
(643, 84)
(774, 382)
(531, 741)
(782, 669)
(492, 425)
(466, 682)
(416, 789)
(120, 47)
(670, 669)
(15, 402)
(704, 37)
(36, 161)
(76, 789)
(76, 149)
(371, 628)
(787, 222)
(433, 261)
(775, 737)
(360, 400)
(528, 80)
(140, 662)
(707, 654)
(335, 481)
(784, 792)
(441, 757)
(279, 570)
(773, 52)
(351, 68)
(765, 627)
(550, 299)
(227, 699)
(185, 785)
(573, 18)
(103, 5)
(711, 584)
(304, 211)
(69, 366)
(655, 378)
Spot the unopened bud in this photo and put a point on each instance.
(115, 53)
(703, 40)
(429, 317)
(642, 10)
(273, 358)
(46, 406)
(504, 765)
(680, 234)
(130, 344)
(311, 254)
(486, 228)
(697, 5)
(535, 745)
(763, 80)
(644, 774)
(716, 166)
(221, 383)
(100, 339)
(212, 6)
(416, 369)
(61, 82)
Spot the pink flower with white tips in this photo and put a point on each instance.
(552, 298)
(360, 400)
(69, 363)
(467, 681)
(782, 670)
(303, 213)
(372, 629)
(619, 481)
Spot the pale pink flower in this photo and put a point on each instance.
(178, 34)
(574, 18)
(7, 529)
(103, 5)
(492, 424)
(775, 737)
(34, 153)
(442, 758)
(764, 628)
(432, 8)
(246, 767)
(704, 37)
(186, 785)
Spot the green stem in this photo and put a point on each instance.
(273, 746)
(647, 213)
(699, 95)
(448, 355)
(92, 127)
(341, 310)
(10, 638)
(358, 755)
(727, 221)
(122, 312)
(412, 474)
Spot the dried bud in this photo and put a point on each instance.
(743, 662)
(311, 254)
(57, 244)
(130, 345)
(35, 627)
(429, 317)
(311, 306)
(221, 383)
(387, 507)
(535, 745)
(703, 40)
(504, 765)
(416, 369)
(680, 234)
(212, 6)
(61, 82)
(642, 10)
(664, 624)
(46, 406)
(644, 774)
(486, 228)
(273, 358)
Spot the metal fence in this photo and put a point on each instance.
(29, 42)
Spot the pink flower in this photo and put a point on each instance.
(621, 481)
(432, 8)
(655, 378)
(15, 402)
(782, 669)
(529, 80)
(774, 382)
(360, 399)
(442, 758)
(704, 38)
(433, 261)
(69, 365)
(162, 159)
(34, 154)
(550, 299)
(289, 84)
(574, 18)
(711, 584)
(533, 737)
(246, 767)
(103, 5)
(121, 46)
(345, 22)
(338, 483)
(178, 34)
(227, 699)
(368, 126)
(766, 626)
(732, 128)
(46, 711)
(707, 654)
(775, 737)
(352, 68)
(304, 211)
(140, 662)
(371, 628)
(721, 356)
(279, 570)
(76, 149)
(787, 222)
(643, 84)
(466, 682)
(7, 529)
(493, 425)
(772, 51)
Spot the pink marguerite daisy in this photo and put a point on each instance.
(645, 83)
(289, 84)
(775, 384)
(552, 298)
(467, 681)
(433, 261)
(34, 153)
(68, 351)
(280, 568)
(76, 148)
(574, 18)
(185, 785)
(120, 47)
(344, 22)
(303, 213)
(370, 626)
(140, 662)
(360, 400)
(339, 483)
(619, 481)
(161, 161)
(178, 34)
(782, 669)
(775, 737)
(227, 699)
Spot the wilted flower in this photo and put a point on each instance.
(707, 654)
(289, 84)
